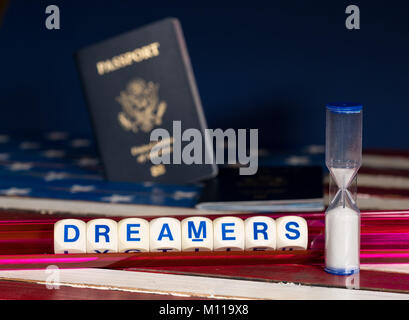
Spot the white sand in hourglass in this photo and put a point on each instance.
(343, 176)
(342, 223)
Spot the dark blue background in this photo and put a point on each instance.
(270, 65)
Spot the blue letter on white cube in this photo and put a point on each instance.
(197, 234)
(228, 234)
(165, 235)
(70, 236)
(260, 233)
(133, 235)
(102, 236)
(292, 233)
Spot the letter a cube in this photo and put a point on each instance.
(165, 235)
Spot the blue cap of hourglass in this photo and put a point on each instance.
(344, 107)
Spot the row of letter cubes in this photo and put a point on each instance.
(191, 234)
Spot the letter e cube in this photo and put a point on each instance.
(133, 235)
(228, 234)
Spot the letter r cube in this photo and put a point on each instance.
(102, 236)
(260, 233)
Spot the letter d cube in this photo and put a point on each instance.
(292, 233)
(70, 236)
(102, 236)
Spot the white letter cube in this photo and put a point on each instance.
(102, 236)
(260, 233)
(165, 235)
(228, 234)
(70, 236)
(197, 234)
(133, 235)
(292, 233)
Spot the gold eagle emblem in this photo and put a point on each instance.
(141, 106)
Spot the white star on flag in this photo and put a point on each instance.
(27, 145)
(117, 198)
(178, 195)
(88, 162)
(78, 143)
(20, 166)
(52, 175)
(147, 184)
(4, 138)
(78, 188)
(315, 149)
(15, 191)
(57, 135)
(4, 156)
(297, 160)
(54, 153)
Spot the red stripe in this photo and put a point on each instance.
(386, 172)
(382, 192)
(387, 152)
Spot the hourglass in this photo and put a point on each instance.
(343, 157)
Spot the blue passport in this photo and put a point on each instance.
(137, 82)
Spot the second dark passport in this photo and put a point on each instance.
(133, 84)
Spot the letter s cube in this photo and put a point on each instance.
(197, 234)
(102, 236)
(70, 236)
(292, 233)
(260, 233)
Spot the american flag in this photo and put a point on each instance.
(383, 179)
(58, 166)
